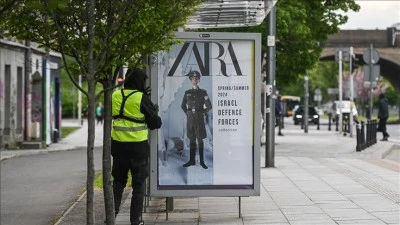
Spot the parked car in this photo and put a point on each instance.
(313, 116)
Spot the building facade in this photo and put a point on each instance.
(30, 102)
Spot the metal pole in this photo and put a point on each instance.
(269, 101)
(28, 89)
(370, 81)
(305, 117)
(351, 93)
(74, 103)
(340, 92)
(240, 207)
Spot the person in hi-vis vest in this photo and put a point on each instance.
(133, 114)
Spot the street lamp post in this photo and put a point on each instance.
(305, 116)
(269, 104)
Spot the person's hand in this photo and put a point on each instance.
(156, 107)
(147, 91)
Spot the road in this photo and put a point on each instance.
(36, 189)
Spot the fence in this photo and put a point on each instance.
(366, 134)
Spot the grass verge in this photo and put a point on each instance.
(65, 131)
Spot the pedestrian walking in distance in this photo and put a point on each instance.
(196, 104)
(383, 115)
(278, 115)
(133, 114)
(99, 113)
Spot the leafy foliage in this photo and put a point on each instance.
(100, 36)
(323, 75)
(124, 31)
(301, 26)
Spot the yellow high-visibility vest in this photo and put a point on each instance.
(128, 122)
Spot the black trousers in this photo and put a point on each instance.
(139, 172)
(193, 147)
(382, 126)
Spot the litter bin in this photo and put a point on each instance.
(55, 136)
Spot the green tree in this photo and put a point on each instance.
(301, 26)
(101, 36)
(323, 76)
(6, 5)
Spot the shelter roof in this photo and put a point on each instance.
(230, 13)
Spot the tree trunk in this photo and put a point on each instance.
(90, 219)
(90, 158)
(107, 184)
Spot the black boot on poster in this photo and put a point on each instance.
(201, 152)
(191, 161)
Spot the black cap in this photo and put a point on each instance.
(194, 73)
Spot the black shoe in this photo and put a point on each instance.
(280, 134)
(138, 223)
(203, 165)
(190, 163)
(384, 139)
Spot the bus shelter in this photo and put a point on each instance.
(229, 69)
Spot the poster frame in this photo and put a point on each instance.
(212, 192)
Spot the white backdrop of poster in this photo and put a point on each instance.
(229, 70)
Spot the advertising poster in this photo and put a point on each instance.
(208, 100)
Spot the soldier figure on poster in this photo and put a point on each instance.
(196, 104)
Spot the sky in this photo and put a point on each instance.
(374, 14)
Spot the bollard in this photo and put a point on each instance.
(368, 134)
(371, 134)
(374, 127)
(370, 140)
(318, 124)
(329, 122)
(358, 137)
(337, 123)
(362, 136)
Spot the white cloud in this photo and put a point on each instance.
(378, 14)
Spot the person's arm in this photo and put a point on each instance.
(150, 111)
(183, 105)
(207, 102)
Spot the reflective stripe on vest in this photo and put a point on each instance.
(125, 129)
(129, 129)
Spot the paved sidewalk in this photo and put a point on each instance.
(318, 179)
